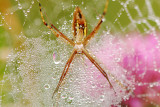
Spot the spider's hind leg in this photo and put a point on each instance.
(98, 66)
(65, 71)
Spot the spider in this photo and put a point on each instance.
(80, 40)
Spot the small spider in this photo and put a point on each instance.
(80, 40)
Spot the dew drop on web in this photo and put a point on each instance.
(46, 86)
(56, 58)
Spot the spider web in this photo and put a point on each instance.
(37, 59)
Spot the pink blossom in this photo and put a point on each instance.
(139, 56)
(144, 63)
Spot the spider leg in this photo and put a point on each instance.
(98, 66)
(120, 84)
(95, 30)
(66, 68)
(53, 30)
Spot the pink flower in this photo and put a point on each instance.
(144, 63)
(140, 57)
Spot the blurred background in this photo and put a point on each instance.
(21, 20)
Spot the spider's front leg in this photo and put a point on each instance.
(95, 30)
(55, 30)
(66, 68)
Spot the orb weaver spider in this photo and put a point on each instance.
(80, 40)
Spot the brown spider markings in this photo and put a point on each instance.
(80, 40)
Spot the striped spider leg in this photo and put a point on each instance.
(79, 42)
(55, 30)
